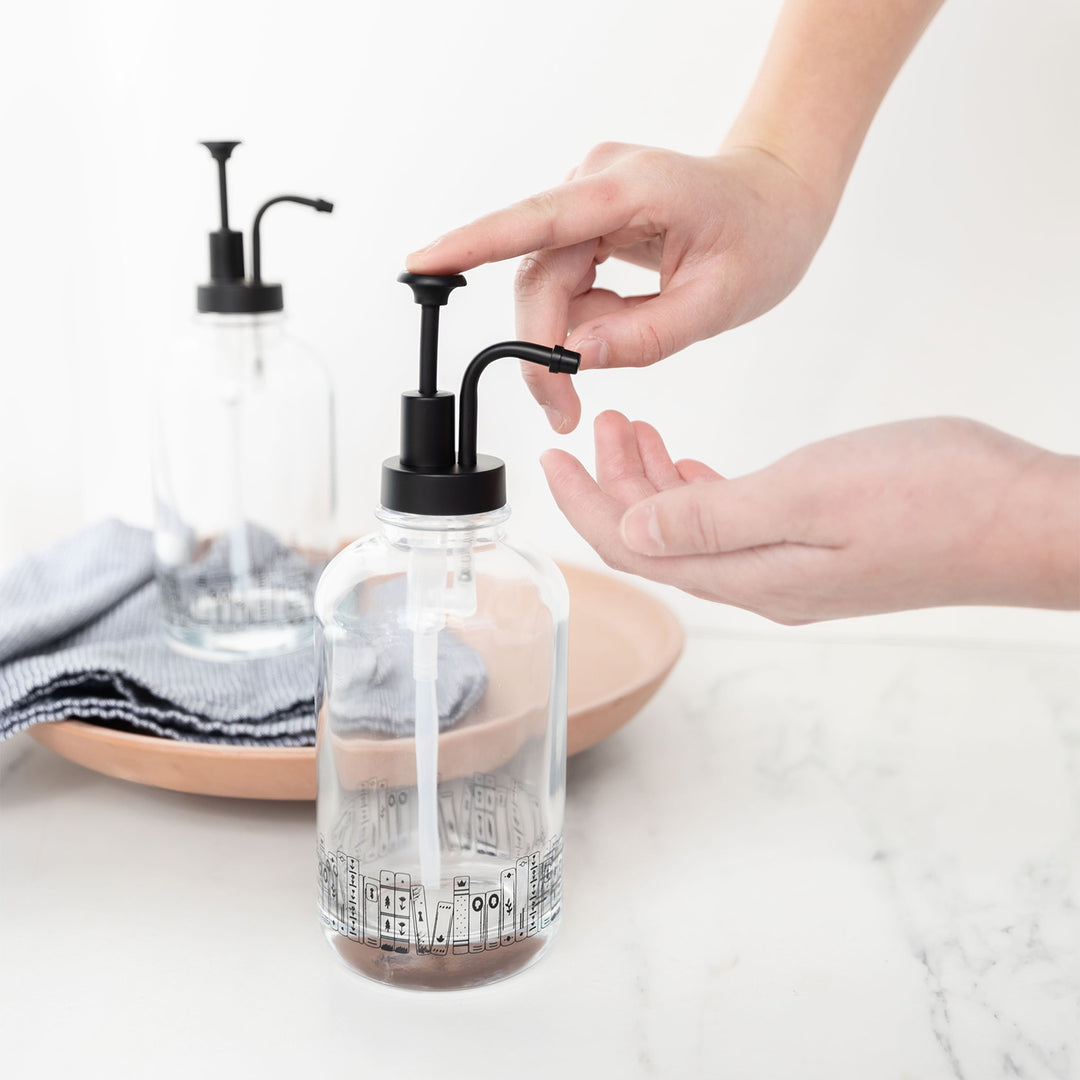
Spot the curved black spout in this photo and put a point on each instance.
(256, 246)
(555, 358)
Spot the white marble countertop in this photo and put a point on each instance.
(803, 859)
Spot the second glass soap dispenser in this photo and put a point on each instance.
(244, 461)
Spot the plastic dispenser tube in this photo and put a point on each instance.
(239, 552)
(425, 615)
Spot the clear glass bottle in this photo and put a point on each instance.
(490, 904)
(244, 486)
(441, 652)
(244, 480)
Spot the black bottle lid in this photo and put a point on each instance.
(427, 477)
(229, 291)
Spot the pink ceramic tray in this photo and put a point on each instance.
(623, 644)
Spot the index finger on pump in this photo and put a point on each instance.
(581, 209)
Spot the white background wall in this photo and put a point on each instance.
(949, 283)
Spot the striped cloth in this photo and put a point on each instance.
(80, 638)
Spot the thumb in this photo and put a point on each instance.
(710, 518)
(645, 330)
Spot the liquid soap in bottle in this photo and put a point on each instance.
(442, 695)
(244, 461)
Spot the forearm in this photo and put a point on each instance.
(826, 71)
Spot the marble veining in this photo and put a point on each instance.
(961, 769)
(806, 858)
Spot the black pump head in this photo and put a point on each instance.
(431, 292)
(226, 245)
(228, 290)
(426, 478)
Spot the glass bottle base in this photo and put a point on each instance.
(460, 970)
(239, 643)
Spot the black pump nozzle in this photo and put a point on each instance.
(427, 477)
(431, 292)
(228, 290)
(427, 416)
(226, 245)
(221, 152)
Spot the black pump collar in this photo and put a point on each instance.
(451, 493)
(427, 477)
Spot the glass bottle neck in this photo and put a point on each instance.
(266, 321)
(420, 530)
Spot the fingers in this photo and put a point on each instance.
(696, 472)
(546, 283)
(582, 209)
(593, 514)
(556, 396)
(739, 542)
(764, 579)
(596, 516)
(713, 517)
(659, 468)
(620, 471)
(556, 393)
(644, 330)
(594, 303)
(606, 154)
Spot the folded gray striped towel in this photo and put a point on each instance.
(81, 639)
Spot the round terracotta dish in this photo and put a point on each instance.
(623, 644)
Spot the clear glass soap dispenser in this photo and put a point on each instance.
(442, 654)
(244, 461)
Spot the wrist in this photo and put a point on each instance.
(1058, 570)
(804, 210)
(1038, 562)
(823, 180)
